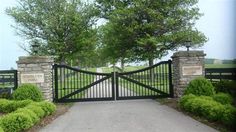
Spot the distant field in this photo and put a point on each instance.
(127, 69)
(220, 65)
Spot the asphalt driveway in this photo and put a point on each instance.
(124, 116)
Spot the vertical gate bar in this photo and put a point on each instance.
(102, 89)
(15, 80)
(55, 81)
(113, 74)
(170, 79)
(77, 84)
(80, 85)
(90, 90)
(164, 85)
(166, 78)
(162, 78)
(87, 82)
(117, 86)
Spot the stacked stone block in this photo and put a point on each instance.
(38, 65)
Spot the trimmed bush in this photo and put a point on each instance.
(229, 115)
(226, 86)
(1, 130)
(33, 116)
(47, 107)
(37, 110)
(7, 106)
(200, 86)
(16, 122)
(223, 98)
(209, 108)
(28, 91)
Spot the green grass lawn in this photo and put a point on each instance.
(126, 69)
(220, 65)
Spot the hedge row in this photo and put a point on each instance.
(206, 106)
(25, 117)
(7, 106)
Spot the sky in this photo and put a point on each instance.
(218, 24)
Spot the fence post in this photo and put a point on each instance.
(187, 65)
(170, 78)
(37, 70)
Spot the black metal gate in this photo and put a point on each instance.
(151, 82)
(71, 84)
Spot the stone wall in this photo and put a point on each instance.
(37, 70)
(187, 65)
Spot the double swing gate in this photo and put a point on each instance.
(72, 84)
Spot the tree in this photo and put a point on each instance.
(61, 27)
(157, 26)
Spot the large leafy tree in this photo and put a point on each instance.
(156, 26)
(62, 28)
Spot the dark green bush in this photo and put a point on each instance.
(33, 116)
(7, 106)
(209, 108)
(200, 86)
(28, 91)
(229, 115)
(36, 109)
(1, 130)
(16, 122)
(226, 86)
(223, 98)
(47, 107)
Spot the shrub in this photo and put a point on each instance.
(47, 107)
(229, 115)
(16, 122)
(7, 106)
(185, 98)
(37, 110)
(1, 130)
(209, 108)
(223, 98)
(200, 86)
(226, 86)
(28, 91)
(33, 116)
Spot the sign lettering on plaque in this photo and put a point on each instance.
(32, 78)
(192, 70)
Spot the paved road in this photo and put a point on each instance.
(124, 116)
(105, 90)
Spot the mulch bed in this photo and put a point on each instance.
(61, 109)
(173, 103)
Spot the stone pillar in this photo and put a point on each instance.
(37, 70)
(187, 65)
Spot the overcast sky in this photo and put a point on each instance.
(218, 24)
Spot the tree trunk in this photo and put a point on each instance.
(151, 76)
(122, 64)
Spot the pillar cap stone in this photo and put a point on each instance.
(197, 53)
(34, 59)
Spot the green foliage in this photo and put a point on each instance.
(7, 106)
(36, 109)
(209, 108)
(229, 115)
(28, 91)
(62, 28)
(1, 130)
(16, 122)
(200, 86)
(33, 116)
(226, 86)
(223, 98)
(47, 107)
(145, 30)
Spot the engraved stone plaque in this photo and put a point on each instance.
(32, 78)
(192, 70)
